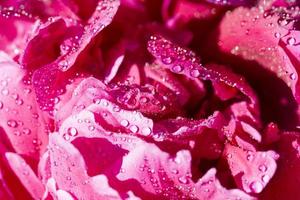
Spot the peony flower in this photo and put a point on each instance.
(160, 99)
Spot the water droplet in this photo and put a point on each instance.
(249, 157)
(175, 171)
(91, 128)
(72, 131)
(116, 109)
(134, 129)
(12, 123)
(144, 99)
(183, 180)
(177, 68)
(146, 131)
(195, 73)
(262, 168)
(124, 123)
(265, 178)
(19, 102)
(256, 187)
(291, 41)
(4, 83)
(5, 92)
(167, 60)
(277, 35)
(1, 105)
(293, 76)
(26, 131)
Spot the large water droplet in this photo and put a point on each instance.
(12, 123)
(291, 41)
(183, 180)
(262, 168)
(134, 128)
(146, 131)
(177, 68)
(5, 92)
(124, 123)
(256, 186)
(293, 76)
(265, 178)
(72, 131)
(167, 60)
(195, 73)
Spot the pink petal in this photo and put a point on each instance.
(26, 175)
(25, 125)
(252, 171)
(69, 170)
(169, 177)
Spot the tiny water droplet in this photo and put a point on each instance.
(12, 123)
(144, 99)
(293, 76)
(5, 92)
(91, 128)
(72, 131)
(167, 60)
(195, 73)
(26, 131)
(265, 178)
(183, 180)
(177, 68)
(277, 35)
(291, 41)
(134, 129)
(262, 168)
(124, 123)
(146, 131)
(256, 187)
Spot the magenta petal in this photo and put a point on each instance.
(183, 61)
(252, 171)
(284, 184)
(26, 175)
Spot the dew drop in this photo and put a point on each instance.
(12, 123)
(26, 131)
(1, 105)
(177, 69)
(144, 99)
(5, 92)
(291, 41)
(146, 131)
(134, 129)
(124, 123)
(195, 73)
(183, 180)
(265, 178)
(262, 168)
(116, 109)
(72, 131)
(256, 187)
(293, 76)
(277, 35)
(167, 60)
(91, 128)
